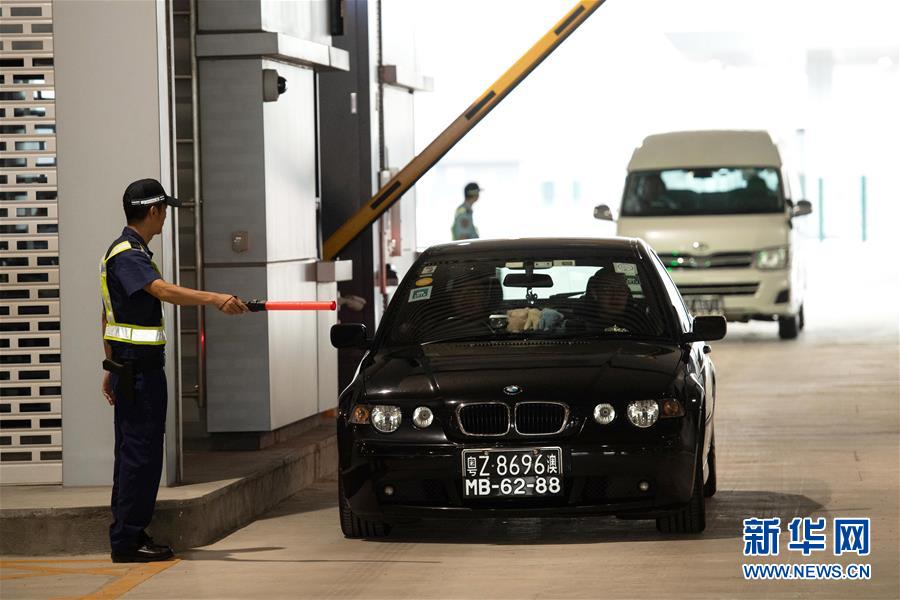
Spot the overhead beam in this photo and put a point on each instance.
(394, 189)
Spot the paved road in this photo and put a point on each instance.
(808, 427)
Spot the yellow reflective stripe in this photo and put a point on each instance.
(118, 249)
(135, 334)
(104, 294)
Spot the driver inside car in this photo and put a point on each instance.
(606, 301)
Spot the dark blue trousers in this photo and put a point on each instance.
(140, 427)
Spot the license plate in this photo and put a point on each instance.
(704, 305)
(518, 473)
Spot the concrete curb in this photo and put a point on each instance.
(183, 523)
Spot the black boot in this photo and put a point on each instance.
(146, 540)
(145, 551)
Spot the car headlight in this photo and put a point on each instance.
(386, 419)
(604, 414)
(772, 258)
(422, 417)
(643, 413)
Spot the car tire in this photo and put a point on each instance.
(355, 527)
(691, 518)
(788, 327)
(802, 318)
(709, 488)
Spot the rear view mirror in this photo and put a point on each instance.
(603, 212)
(707, 329)
(523, 280)
(803, 207)
(349, 335)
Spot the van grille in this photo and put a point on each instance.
(723, 260)
(720, 289)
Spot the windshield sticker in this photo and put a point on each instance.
(634, 284)
(515, 265)
(420, 294)
(625, 268)
(543, 264)
(429, 270)
(564, 263)
(424, 281)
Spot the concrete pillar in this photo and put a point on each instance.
(112, 128)
(260, 184)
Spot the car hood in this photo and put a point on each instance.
(592, 371)
(718, 233)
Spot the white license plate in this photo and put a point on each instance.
(512, 473)
(705, 305)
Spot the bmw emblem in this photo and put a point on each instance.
(512, 390)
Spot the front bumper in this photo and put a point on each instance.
(774, 295)
(598, 479)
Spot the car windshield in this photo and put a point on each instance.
(546, 298)
(675, 192)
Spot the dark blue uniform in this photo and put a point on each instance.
(140, 424)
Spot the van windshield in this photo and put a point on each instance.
(723, 191)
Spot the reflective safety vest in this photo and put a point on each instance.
(126, 332)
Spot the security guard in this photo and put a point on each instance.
(134, 340)
(463, 225)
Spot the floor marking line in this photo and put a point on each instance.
(133, 578)
(49, 570)
(31, 561)
(23, 576)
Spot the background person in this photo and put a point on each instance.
(132, 291)
(463, 225)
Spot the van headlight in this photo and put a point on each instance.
(386, 419)
(772, 258)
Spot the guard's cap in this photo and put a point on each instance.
(146, 192)
(471, 189)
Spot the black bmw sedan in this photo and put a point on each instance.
(530, 377)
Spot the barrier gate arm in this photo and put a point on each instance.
(486, 102)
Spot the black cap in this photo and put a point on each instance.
(146, 192)
(471, 189)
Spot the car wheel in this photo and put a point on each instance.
(709, 488)
(691, 518)
(788, 327)
(802, 318)
(356, 527)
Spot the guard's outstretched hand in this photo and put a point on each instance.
(231, 305)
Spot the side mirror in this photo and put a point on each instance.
(349, 335)
(602, 212)
(707, 329)
(803, 207)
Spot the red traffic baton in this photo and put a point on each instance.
(261, 305)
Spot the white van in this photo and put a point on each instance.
(717, 208)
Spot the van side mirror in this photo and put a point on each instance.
(349, 335)
(707, 329)
(803, 207)
(602, 212)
